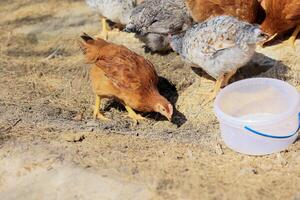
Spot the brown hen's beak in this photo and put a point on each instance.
(169, 118)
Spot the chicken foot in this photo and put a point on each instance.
(97, 114)
(212, 95)
(227, 77)
(292, 39)
(132, 114)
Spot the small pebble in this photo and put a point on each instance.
(219, 149)
(92, 123)
(78, 116)
(73, 137)
(281, 160)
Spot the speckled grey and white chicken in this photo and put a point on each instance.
(153, 20)
(117, 11)
(219, 46)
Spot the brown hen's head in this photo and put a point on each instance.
(91, 47)
(164, 107)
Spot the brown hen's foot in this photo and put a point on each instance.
(97, 114)
(131, 113)
(100, 116)
(291, 41)
(212, 95)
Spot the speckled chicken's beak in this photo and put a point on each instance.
(130, 28)
(127, 30)
(264, 38)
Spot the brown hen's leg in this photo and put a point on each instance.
(133, 115)
(97, 114)
(217, 88)
(291, 41)
(228, 77)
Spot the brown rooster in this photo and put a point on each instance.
(281, 16)
(125, 76)
(246, 10)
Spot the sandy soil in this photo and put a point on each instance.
(46, 154)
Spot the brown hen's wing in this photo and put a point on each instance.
(292, 10)
(126, 69)
(244, 9)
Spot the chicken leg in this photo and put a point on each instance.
(133, 115)
(228, 77)
(292, 39)
(97, 114)
(212, 95)
(104, 31)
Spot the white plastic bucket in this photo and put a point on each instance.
(258, 116)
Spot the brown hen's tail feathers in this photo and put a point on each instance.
(91, 47)
(89, 40)
(86, 37)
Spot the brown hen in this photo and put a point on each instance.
(246, 10)
(281, 16)
(125, 76)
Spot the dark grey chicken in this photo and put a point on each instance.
(153, 20)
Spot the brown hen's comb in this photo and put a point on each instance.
(86, 37)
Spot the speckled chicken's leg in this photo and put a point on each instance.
(97, 114)
(217, 88)
(228, 77)
(104, 31)
(292, 39)
(133, 115)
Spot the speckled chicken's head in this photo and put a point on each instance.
(136, 17)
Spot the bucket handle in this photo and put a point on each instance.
(273, 136)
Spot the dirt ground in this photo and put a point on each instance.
(47, 154)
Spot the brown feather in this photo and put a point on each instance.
(244, 9)
(119, 73)
(280, 15)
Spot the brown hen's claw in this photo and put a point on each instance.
(100, 116)
(136, 117)
(97, 114)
